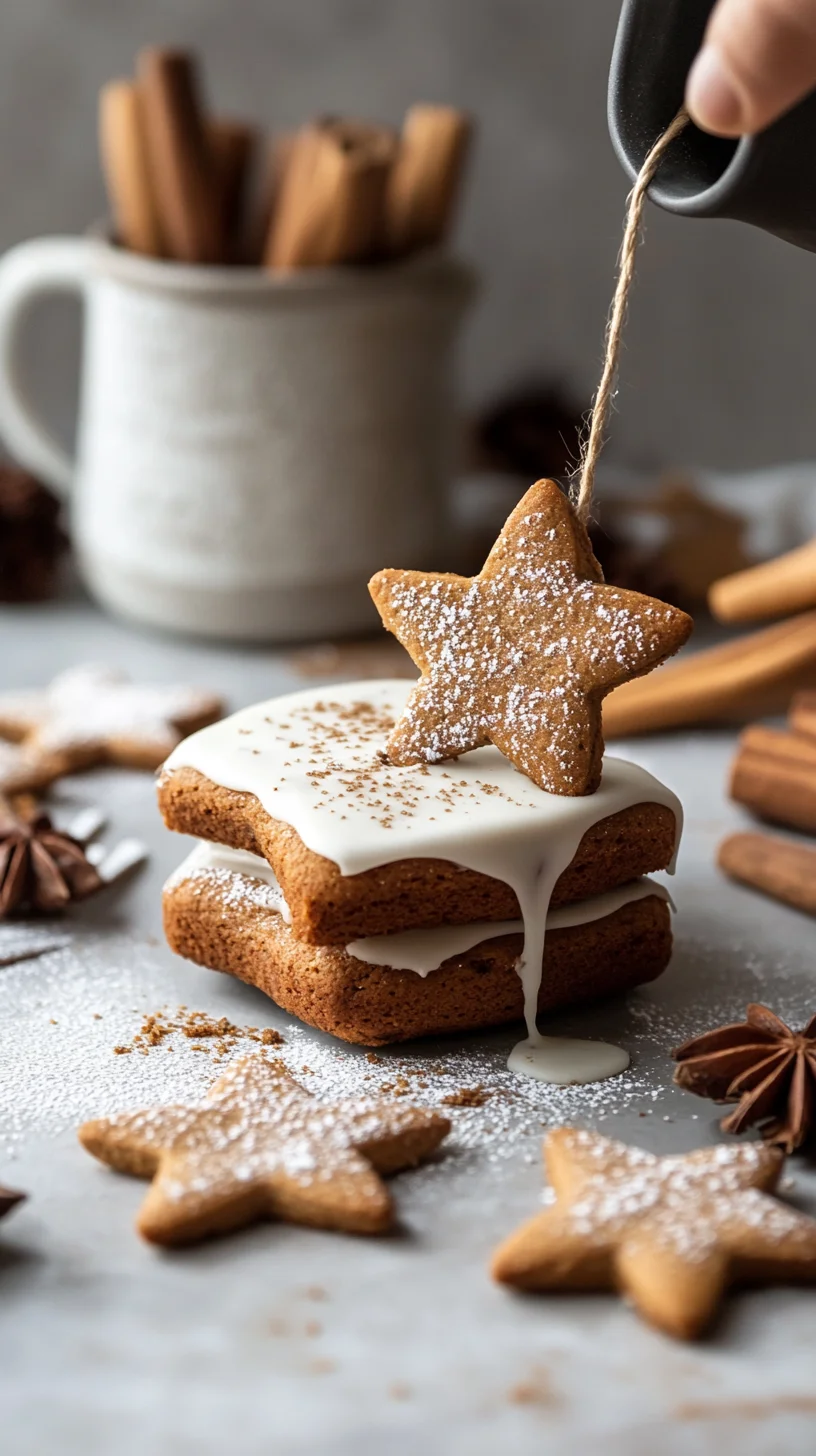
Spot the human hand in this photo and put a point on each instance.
(758, 59)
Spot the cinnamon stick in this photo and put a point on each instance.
(740, 680)
(233, 145)
(774, 589)
(330, 207)
(778, 868)
(802, 715)
(123, 149)
(425, 182)
(181, 160)
(274, 165)
(774, 775)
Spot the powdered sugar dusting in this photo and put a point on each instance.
(63, 1015)
(688, 1203)
(26, 942)
(241, 880)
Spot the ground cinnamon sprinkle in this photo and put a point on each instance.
(217, 1037)
(400, 1087)
(322, 1366)
(535, 1391)
(467, 1097)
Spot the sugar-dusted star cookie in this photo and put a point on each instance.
(24, 772)
(671, 1233)
(523, 654)
(261, 1147)
(91, 715)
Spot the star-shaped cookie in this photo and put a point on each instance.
(671, 1233)
(261, 1147)
(523, 654)
(25, 772)
(91, 715)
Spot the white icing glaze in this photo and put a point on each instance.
(313, 759)
(424, 951)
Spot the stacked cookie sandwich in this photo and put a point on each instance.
(389, 862)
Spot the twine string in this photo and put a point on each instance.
(602, 403)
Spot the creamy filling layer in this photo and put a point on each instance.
(421, 951)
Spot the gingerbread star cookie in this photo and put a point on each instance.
(261, 1147)
(669, 1233)
(523, 654)
(91, 715)
(24, 772)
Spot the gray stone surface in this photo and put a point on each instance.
(109, 1346)
(718, 360)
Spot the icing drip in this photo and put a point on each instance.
(314, 761)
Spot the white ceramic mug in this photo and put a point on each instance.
(251, 447)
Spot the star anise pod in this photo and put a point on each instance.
(763, 1066)
(40, 867)
(9, 1198)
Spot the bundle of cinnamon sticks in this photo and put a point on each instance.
(774, 772)
(182, 184)
(772, 670)
(774, 775)
(752, 675)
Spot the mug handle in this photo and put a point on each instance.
(27, 273)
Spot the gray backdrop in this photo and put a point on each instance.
(719, 365)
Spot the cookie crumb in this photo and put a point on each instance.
(467, 1097)
(322, 1366)
(217, 1037)
(537, 1390)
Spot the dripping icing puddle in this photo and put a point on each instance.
(565, 1061)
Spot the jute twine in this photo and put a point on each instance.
(602, 404)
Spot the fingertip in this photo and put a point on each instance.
(712, 98)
